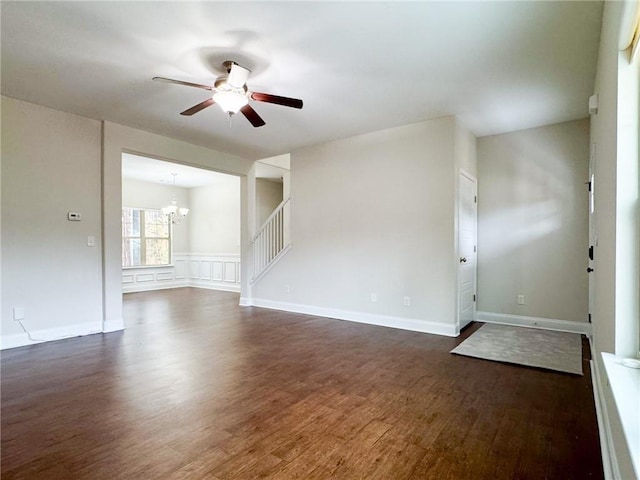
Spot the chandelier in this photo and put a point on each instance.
(176, 214)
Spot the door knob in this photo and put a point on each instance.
(463, 259)
(589, 269)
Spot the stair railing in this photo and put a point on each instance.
(271, 241)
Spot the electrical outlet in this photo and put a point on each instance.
(407, 301)
(520, 299)
(374, 297)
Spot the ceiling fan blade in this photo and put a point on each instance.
(180, 82)
(196, 108)
(237, 75)
(286, 101)
(253, 117)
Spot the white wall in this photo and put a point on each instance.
(628, 208)
(269, 195)
(214, 219)
(466, 149)
(604, 138)
(616, 254)
(533, 222)
(281, 161)
(138, 194)
(50, 166)
(373, 214)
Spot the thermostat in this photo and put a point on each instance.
(74, 216)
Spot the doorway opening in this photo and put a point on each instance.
(198, 246)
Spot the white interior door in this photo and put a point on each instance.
(467, 249)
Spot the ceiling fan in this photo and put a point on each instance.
(231, 94)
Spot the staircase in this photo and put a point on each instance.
(272, 241)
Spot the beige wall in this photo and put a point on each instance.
(269, 195)
(50, 166)
(533, 222)
(137, 194)
(373, 214)
(214, 220)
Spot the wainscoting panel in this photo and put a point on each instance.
(217, 271)
(230, 272)
(205, 270)
(180, 268)
(202, 270)
(145, 277)
(194, 269)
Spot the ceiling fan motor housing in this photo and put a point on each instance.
(221, 84)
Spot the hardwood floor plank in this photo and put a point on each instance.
(304, 464)
(201, 466)
(299, 440)
(197, 387)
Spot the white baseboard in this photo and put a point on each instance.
(535, 322)
(133, 288)
(424, 326)
(214, 286)
(113, 325)
(245, 302)
(193, 283)
(50, 334)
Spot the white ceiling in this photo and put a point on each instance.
(146, 169)
(358, 66)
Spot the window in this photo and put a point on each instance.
(146, 238)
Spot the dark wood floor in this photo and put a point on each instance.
(198, 387)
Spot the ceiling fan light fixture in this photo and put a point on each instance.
(230, 92)
(230, 101)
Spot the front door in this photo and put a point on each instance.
(467, 249)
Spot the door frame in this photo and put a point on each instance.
(593, 234)
(474, 180)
